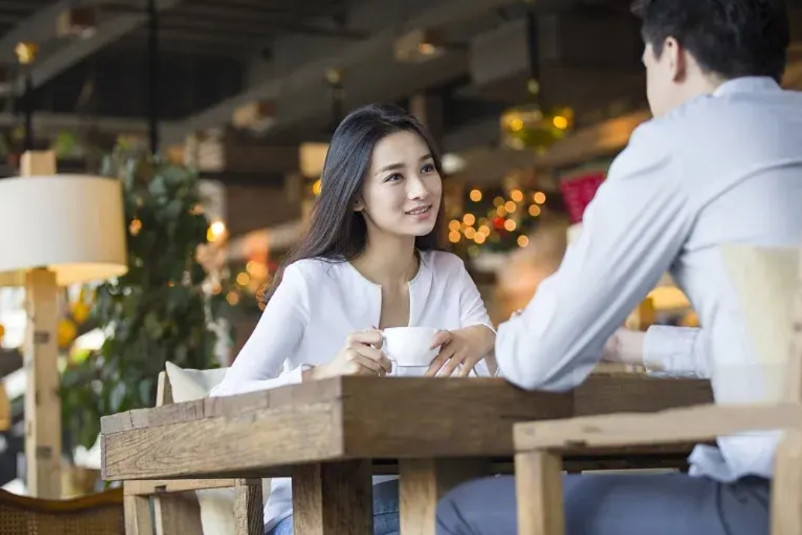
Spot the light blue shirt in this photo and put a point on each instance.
(722, 168)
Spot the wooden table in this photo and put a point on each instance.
(327, 434)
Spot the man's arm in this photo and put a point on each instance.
(632, 232)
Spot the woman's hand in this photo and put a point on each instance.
(460, 349)
(361, 355)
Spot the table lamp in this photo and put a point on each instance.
(55, 230)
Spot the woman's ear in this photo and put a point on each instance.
(358, 205)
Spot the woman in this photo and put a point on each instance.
(367, 262)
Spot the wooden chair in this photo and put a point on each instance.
(540, 446)
(98, 514)
(170, 507)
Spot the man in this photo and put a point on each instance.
(720, 163)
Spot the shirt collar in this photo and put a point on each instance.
(746, 84)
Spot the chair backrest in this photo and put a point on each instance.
(177, 512)
(795, 368)
(96, 514)
(768, 282)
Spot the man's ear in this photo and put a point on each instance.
(677, 62)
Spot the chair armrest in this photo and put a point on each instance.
(151, 487)
(674, 426)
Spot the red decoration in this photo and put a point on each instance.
(499, 223)
(579, 190)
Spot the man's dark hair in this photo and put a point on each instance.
(730, 38)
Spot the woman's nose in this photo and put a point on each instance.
(417, 189)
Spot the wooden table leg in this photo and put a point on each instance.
(176, 514)
(786, 487)
(333, 498)
(424, 481)
(248, 514)
(538, 491)
(136, 510)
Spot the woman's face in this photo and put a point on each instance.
(401, 192)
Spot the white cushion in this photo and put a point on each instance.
(190, 384)
(765, 280)
(216, 505)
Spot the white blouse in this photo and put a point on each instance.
(318, 304)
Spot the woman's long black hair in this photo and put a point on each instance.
(336, 232)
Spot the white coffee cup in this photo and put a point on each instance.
(408, 348)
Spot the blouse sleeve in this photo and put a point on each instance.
(276, 336)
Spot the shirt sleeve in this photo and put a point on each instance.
(276, 336)
(676, 352)
(632, 231)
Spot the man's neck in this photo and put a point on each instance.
(701, 84)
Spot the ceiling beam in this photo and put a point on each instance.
(38, 27)
(42, 24)
(306, 74)
(46, 123)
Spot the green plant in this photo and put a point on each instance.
(157, 311)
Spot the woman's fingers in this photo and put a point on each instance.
(369, 337)
(439, 361)
(376, 356)
(441, 338)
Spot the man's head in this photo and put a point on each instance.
(692, 46)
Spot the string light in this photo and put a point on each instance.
(539, 197)
(516, 195)
(454, 236)
(479, 238)
(510, 206)
(469, 219)
(216, 231)
(510, 225)
(135, 227)
(454, 225)
(523, 241)
(534, 210)
(470, 233)
(476, 195)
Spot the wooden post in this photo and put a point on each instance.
(333, 498)
(538, 487)
(42, 402)
(428, 109)
(424, 481)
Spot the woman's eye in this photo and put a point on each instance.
(395, 177)
(428, 168)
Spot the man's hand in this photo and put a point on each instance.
(625, 346)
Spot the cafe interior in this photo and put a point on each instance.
(160, 158)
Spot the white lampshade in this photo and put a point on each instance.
(72, 224)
